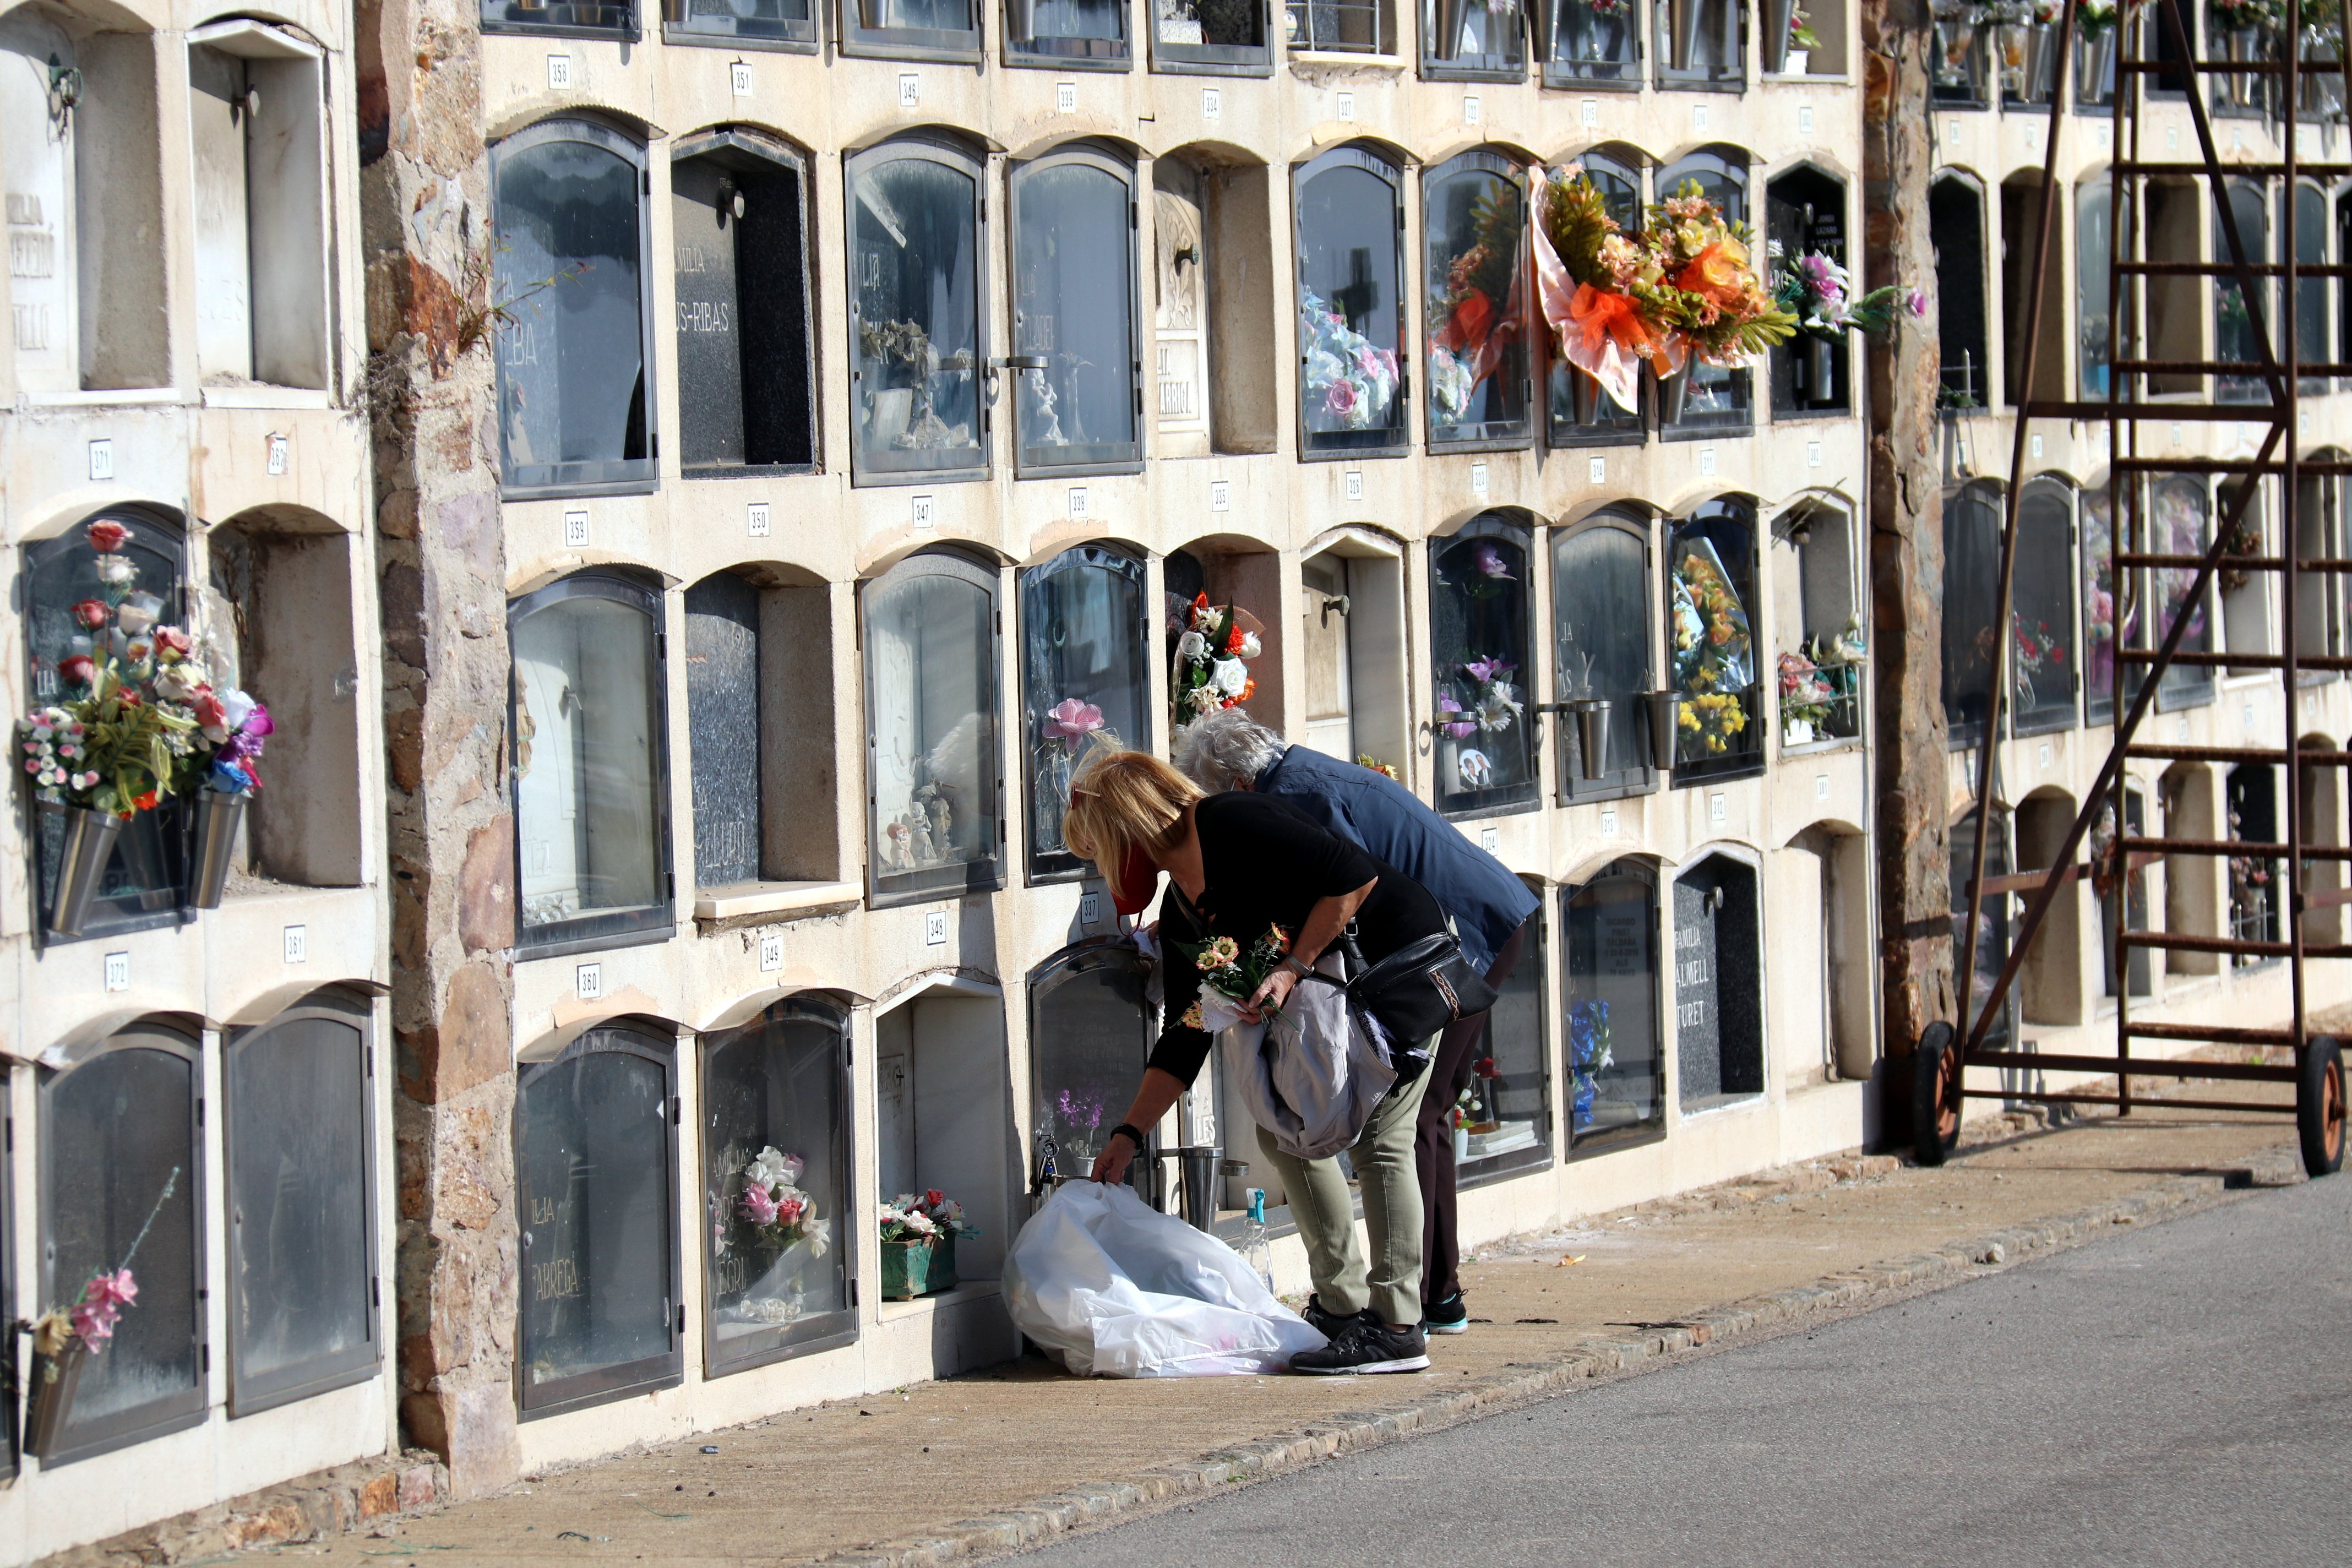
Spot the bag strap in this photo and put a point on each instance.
(1356, 964)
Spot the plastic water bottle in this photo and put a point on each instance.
(1256, 1250)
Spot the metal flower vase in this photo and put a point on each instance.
(1683, 18)
(1591, 733)
(873, 13)
(1451, 15)
(2095, 67)
(1666, 711)
(50, 1395)
(214, 834)
(1821, 369)
(1776, 16)
(89, 847)
(1584, 394)
(2245, 46)
(1673, 394)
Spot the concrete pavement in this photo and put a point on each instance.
(2178, 1392)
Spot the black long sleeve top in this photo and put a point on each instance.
(1265, 863)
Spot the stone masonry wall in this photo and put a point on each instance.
(442, 585)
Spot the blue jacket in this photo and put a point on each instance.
(1373, 811)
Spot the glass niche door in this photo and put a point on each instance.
(1479, 623)
(933, 764)
(1349, 238)
(1092, 1025)
(1076, 359)
(591, 762)
(776, 1186)
(918, 343)
(1474, 214)
(1085, 643)
(1616, 1048)
(1603, 639)
(595, 1158)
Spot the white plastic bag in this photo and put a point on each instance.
(1314, 1079)
(1121, 1290)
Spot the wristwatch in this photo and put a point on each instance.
(1298, 966)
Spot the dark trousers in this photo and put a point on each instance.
(1433, 1142)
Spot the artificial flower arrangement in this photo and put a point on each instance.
(1063, 734)
(1801, 30)
(1475, 308)
(1366, 760)
(1350, 381)
(1713, 652)
(90, 1321)
(1211, 669)
(2094, 18)
(1818, 291)
(919, 1236)
(2038, 651)
(1481, 699)
(1230, 974)
(775, 1209)
(1685, 286)
(910, 1217)
(1591, 1051)
(2236, 16)
(1806, 699)
(64, 1337)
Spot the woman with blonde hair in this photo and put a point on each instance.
(1236, 864)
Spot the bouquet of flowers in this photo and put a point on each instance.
(1587, 268)
(1801, 30)
(1350, 379)
(909, 1217)
(2094, 18)
(128, 736)
(1480, 700)
(1714, 656)
(1228, 976)
(1069, 722)
(1591, 1051)
(1210, 668)
(2038, 650)
(1698, 281)
(91, 1320)
(1366, 760)
(2235, 15)
(1475, 308)
(1805, 698)
(1818, 293)
(774, 1208)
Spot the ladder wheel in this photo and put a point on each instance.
(2319, 1107)
(1935, 1094)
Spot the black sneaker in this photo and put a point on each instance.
(1366, 1347)
(1330, 1325)
(1446, 1317)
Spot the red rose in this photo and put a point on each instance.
(78, 670)
(106, 537)
(173, 641)
(92, 614)
(210, 714)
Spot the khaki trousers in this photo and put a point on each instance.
(1326, 1216)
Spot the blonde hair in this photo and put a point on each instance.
(1122, 800)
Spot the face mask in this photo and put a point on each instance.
(1137, 881)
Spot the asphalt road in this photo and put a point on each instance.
(2176, 1394)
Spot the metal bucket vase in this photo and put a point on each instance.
(1591, 733)
(1666, 711)
(1821, 369)
(2041, 62)
(1019, 18)
(213, 837)
(1448, 41)
(1584, 394)
(2093, 64)
(89, 838)
(1956, 36)
(1777, 13)
(49, 1396)
(1198, 1168)
(1673, 394)
(1544, 18)
(873, 13)
(2245, 43)
(1681, 18)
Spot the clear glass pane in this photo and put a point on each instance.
(1486, 35)
(2311, 336)
(1711, 639)
(722, 703)
(1074, 308)
(1083, 670)
(592, 1178)
(1621, 189)
(2253, 797)
(930, 668)
(1091, 1029)
(935, 17)
(1478, 612)
(1350, 26)
(587, 809)
(601, 16)
(2098, 606)
(748, 19)
(2042, 654)
(1700, 40)
(2236, 339)
(1214, 24)
(1601, 602)
(1349, 309)
(571, 363)
(2182, 525)
(1971, 592)
(1617, 1070)
(777, 1258)
(2093, 297)
(1477, 312)
(120, 1190)
(1992, 922)
(1089, 22)
(1509, 1107)
(1717, 395)
(298, 1220)
(917, 321)
(1595, 40)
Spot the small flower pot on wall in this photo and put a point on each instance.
(49, 1396)
(89, 838)
(912, 1268)
(217, 819)
(1591, 733)
(1666, 719)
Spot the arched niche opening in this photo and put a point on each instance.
(2050, 984)
(1618, 171)
(2043, 655)
(1233, 570)
(919, 338)
(2320, 793)
(759, 650)
(1804, 215)
(2238, 339)
(1212, 308)
(1078, 393)
(2193, 890)
(1956, 217)
(1719, 984)
(80, 124)
(1478, 301)
(1348, 239)
(279, 608)
(1503, 1125)
(1353, 634)
(1092, 1025)
(2021, 243)
(1712, 654)
(943, 1117)
(2180, 522)
(2251, 797)
(1821, 926)
(1824, 647)
(1605, 643)
(1996, 919)
(2120, 882)
(1971, 605)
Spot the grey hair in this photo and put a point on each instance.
(1225, 750)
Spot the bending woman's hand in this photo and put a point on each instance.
(1112, 1164)
(1274, 991)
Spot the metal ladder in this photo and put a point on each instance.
(1944, 1055)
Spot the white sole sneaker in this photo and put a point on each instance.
(1461, 1328)
(1406, 1364)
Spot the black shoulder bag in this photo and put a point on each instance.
(1416, 991)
